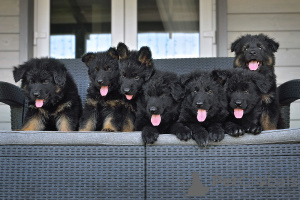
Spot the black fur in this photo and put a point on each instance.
(202, 91)
(104, 108)
(260, 48)
(244, 91)
(47, 81)
(162, 96)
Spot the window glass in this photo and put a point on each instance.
(79, 26)
(169, 27)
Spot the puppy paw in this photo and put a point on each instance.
(216, 134)
(149, 135)
(234, 130)
(183, 133)
(108, 130)
(201, 138)
(254, 129)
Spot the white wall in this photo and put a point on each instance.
(281, 21)
(9, 50)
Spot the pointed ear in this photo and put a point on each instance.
(220, 76)
(87, 58)
(113, 53)
(236, 44)
(177, 91)
(60, 76)
(122, 50)
(145, 56)
(272, 44)
(19, 71)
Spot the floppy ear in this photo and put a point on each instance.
(145, 56)
(177, 91)
(19, 71)
(220, 76)
(87, 58)
(113, 53)
(263, 85)
(236, 44)
(272, 44)
(122, 50)
(60, 76)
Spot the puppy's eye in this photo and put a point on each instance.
(195, 91)
(209, 92)
(45, 81)
(108, 69)
(259, 48)
(137, 78)
(246, 91)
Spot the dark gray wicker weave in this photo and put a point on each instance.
(99, 165)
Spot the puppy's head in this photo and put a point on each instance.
(43, 80)
(136, 67)
(204, 97)
(103, 70)
(244, 91)
(254, 51)
(163, 94)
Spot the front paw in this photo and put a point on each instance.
(216, 134)
(254, 129)
(234, 130)
(201, 137)
(149, 135)
(183, 133)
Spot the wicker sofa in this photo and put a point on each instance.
(100, 165)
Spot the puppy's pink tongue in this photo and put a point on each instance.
(201, 115)
(129, 97)
(104, 90)
(39, 103)
(253, 65)
(155, 120)
(238, 113)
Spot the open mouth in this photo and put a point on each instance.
(104, 90)
(202, 114)
(40, 102)
(129, 96)
(254, 64)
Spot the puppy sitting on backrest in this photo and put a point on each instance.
(51, 93)
(104, 107)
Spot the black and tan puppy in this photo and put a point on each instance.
(204, 108)
(136, 67)
(104, 107)
(244, 92)
(51, 93)
(158, 109)
(256, 53)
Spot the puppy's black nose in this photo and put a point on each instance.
(126, 90)
(36, 94)
(153, 109)
(199, 104)
(238, 103)
(100, 81)
(253, 52)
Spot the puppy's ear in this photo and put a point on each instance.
(60, 76)
(236, 44)
(19, 71)
(122, 50)
(220, 76)
(177, 91)
(263, 85)
(113, 53)
(87, 58)
(184, 78)
(271, 43)
(145, 56)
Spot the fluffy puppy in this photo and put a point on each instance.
(158, 109)
(51, 94)
(104, 108)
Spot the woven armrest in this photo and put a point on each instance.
(11, 94)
